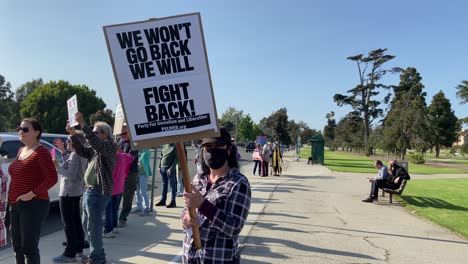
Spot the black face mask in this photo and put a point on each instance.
(215, 158)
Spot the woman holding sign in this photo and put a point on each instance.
(221, 195)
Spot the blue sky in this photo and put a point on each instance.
(263, 54)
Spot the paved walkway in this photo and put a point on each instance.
(308, 215)
(315, 216)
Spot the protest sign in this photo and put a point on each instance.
(262, 140)
(163, 78)
(119, 120)
(72, 105)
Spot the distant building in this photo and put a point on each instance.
(462, 137)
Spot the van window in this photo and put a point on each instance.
(10, 148)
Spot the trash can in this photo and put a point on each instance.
(317, 150)
(404, 164)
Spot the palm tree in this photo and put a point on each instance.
(462, 92)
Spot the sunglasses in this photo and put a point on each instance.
(24, 129)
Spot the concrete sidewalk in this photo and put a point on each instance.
(316, 216)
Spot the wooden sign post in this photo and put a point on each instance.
(188, 188)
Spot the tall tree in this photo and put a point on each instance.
(406, 124)
(329, 129)
(348, 132)
(246, 130)
(48, 103)
(8, 116)
(443, 121)
(231, 119)
(294, 131)
(462, 92)
(25, 89)
(363, 97)
(277, 122)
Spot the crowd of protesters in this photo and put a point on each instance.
(99, 174)
(268, 159)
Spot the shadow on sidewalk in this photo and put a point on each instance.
(142, 238)
(432, 202)
(296, 177)
(376, 233)
(261, 246)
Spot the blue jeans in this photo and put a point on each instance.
(142, 192)
(180, 184)
(94, 204)
(112, 213)
(166, 179)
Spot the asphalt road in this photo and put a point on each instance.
(53, 222)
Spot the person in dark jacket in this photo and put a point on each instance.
(131, 180)
(397, 175)
(101, 153)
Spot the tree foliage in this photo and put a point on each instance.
(406, 124)
(363, 97)
(246, 130)
(443, 121)
(462, 92)
(25, 89)
(277, 125)
(329, 129)
(231, 119)
(348, 132)
(48, 103)
(8, 108)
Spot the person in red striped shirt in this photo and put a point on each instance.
(32, 175)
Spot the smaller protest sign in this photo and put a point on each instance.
(72, 105)
(262, 140)
(119, 120)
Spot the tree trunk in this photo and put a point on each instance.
(366, 128)
(437, 150)
(403, 153)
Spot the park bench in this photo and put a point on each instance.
(398, 191)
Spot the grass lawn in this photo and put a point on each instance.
(347, 162)
(444, 202)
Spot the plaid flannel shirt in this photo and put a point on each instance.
(3, 206)
(230, 197)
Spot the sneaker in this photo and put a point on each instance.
(108, 235)
(122, 223)
(179, 195)
(171, 205)
(145, 212)
(137, 211)
(63, 259)
(115, 230)
(161, 203)
(79, 255)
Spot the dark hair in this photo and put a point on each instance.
(378, 162)
(232, 159)
(35, 124)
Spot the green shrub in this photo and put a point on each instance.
(417, 158)
(464, 148)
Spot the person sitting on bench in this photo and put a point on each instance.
(397, 175)
(381, 176)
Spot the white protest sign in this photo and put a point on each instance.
(162, 74)
(119, 120)
(72, 106)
